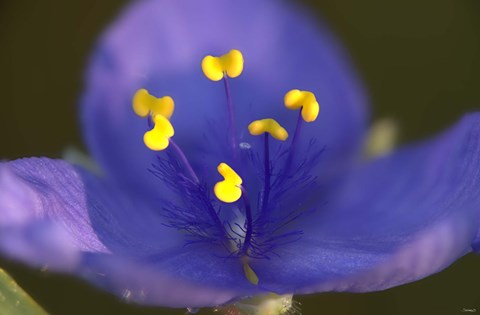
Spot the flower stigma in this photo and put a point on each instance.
(262, 222)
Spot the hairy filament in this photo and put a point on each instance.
(249, 224)
(191, 217)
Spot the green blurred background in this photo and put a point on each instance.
(420, 61)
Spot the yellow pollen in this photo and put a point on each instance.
(144, 103)
(230, 64)
(158, 138)
(305, 100)
(250, 274)
(228, 190)
(269, 125)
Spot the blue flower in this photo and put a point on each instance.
(149, 231)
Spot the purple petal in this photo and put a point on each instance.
(393, 221)
(186, 277)
(57, 216)
(159, 45)
(42, 190)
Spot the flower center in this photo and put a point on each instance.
(260, 228)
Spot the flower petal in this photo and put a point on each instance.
(34, 194)
(159, 45)
(57, 216)
(395, 220)
(187, 277)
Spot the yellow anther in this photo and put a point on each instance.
(250, 274)
(228, 190)
(144, 103)
(230, 64)
(158, 138)
(269, 125)
(305, 100)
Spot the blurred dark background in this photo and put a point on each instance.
(420, 61)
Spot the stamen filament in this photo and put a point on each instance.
(232, 138)
(266, 188)
(293, 144)
(211, 210)
(150, 121)
(249, 228)
(185, 162)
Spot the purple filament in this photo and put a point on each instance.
(164, 172)
(266, 188)
(293, 144)
(231, 120)
(249, 224)
(150, 121)
(185, 162)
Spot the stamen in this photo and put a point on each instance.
(144, 104)
(293, 146)
(272, 127)
(232, 138)
(185, 162)
(254, 239)
(296, 134)
(266, 187)
(158, 138)
(249, 223)
(305, 100)
(230, 64)
(229, 190)
(217, 68)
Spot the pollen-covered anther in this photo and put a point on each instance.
(144, 104)
(158, 138)
(269, 125)
(230, 64)
(229, 189)
(305, 100)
